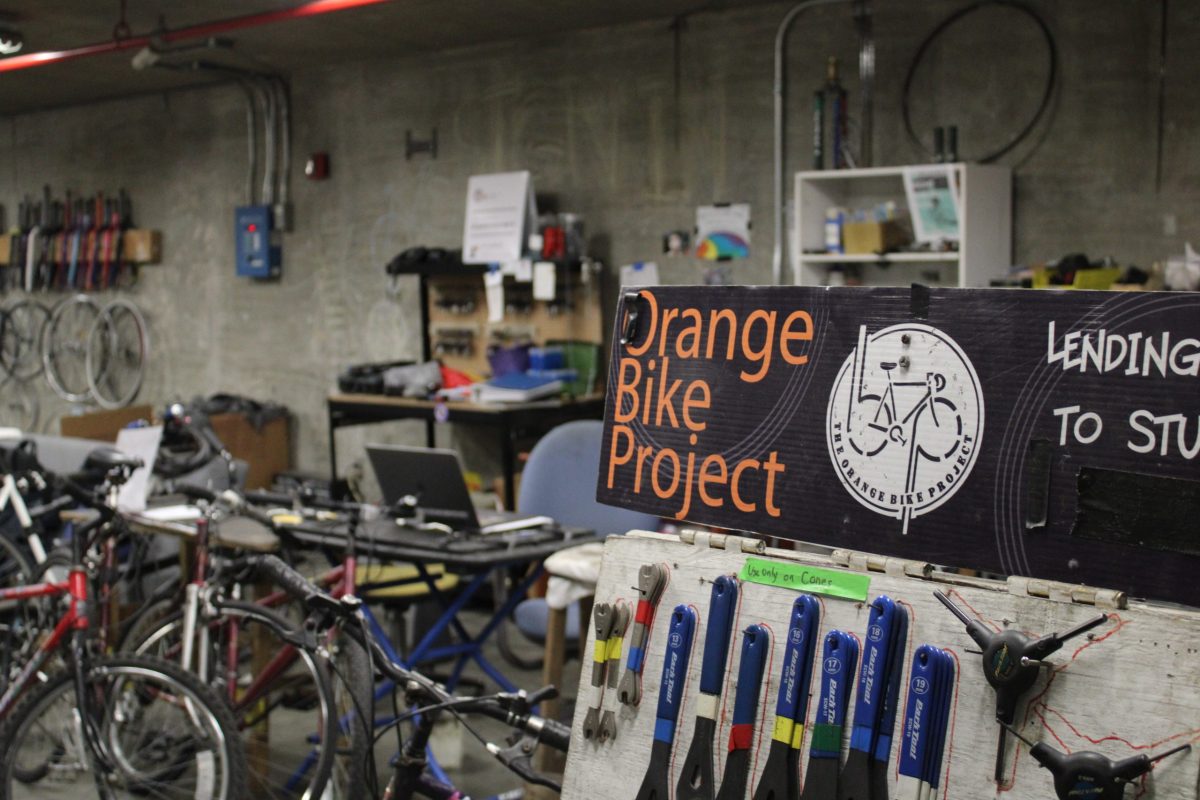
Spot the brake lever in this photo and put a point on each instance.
(519, 758)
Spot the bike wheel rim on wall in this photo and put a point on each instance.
(115, 356)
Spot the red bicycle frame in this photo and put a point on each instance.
(76, 619)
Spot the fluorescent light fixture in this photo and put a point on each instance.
(11, 41)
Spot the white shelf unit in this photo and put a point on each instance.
(985, 207)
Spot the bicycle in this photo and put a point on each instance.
(125, 725)
(412, 775)
(271, 678)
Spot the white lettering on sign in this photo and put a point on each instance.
(1126, 353)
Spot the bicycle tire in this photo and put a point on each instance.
(19, 622)
(267, 779)
(354, 697)
(22, 326)
(106, 353)
(217, 759)
(57, 355)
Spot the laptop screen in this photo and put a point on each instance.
(434, 476)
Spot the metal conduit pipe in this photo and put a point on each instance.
(789, 19)
(280, 87)
(251, 135)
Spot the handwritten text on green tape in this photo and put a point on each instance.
(804, 578)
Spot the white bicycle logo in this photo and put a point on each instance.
(904, 420)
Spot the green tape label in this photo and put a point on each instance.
(802, 578)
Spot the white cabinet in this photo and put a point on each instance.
(985, 207)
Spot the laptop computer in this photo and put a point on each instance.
(434, 476)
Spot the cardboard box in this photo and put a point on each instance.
(267, 452)
(862, 238)
(5, 246)
(103, 425)
(142, 246)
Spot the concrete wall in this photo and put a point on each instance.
(601, 121)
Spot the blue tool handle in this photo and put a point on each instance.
(887, 720)
(839, 656)
(812, 631)
(941, 727)
(924, 690)
(872, 677)
(675, 663)
(721, 606)
(756, 644)
(805, 619)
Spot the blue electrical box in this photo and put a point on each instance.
(258, 250)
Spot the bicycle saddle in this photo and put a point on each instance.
(104, 460)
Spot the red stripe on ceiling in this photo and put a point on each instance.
(200, 31)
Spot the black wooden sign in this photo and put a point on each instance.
(1049, 434)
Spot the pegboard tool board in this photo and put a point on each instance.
(459, 330)
(1130, 686)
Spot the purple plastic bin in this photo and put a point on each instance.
(507, 360)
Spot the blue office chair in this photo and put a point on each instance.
(559, 481)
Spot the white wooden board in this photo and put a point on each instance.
(1132, 687)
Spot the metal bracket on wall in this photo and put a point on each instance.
(415, 146)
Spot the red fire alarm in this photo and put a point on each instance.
(317, 168)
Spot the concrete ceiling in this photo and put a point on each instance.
(390, 29)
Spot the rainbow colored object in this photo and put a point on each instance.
(721, 246)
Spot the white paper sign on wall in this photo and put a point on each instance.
(500, 213)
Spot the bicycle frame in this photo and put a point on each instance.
(75, 619)
(11, 495)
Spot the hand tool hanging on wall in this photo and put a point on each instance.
(603, 615)
(608, 720)
(62, 242)
(926, 723)
(882, 749)
(93, 242)
(1011, 662)
(780, 778)
(697, 780)
(657, 783)
(652, 579)
(756, 644)
(51, 233)
(1089, 774)
(80, 224)
(839, 658)
(885, 621)
(31, 246)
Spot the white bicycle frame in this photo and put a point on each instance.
(10, 494)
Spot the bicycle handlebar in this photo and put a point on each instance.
(547, 731)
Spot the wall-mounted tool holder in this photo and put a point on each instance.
(75, 243)
(566, 310)
(1128, 687)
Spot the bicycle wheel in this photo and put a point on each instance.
(21, 327)
(282, 697)
(19, 406)
(160, 731)
(116, 354)
(65, 346)
(354, 698)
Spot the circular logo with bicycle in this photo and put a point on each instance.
(904, 421)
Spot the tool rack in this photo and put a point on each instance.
(1130, 687)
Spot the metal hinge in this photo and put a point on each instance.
(1068, 592)
(723, 541)
(871, 562)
